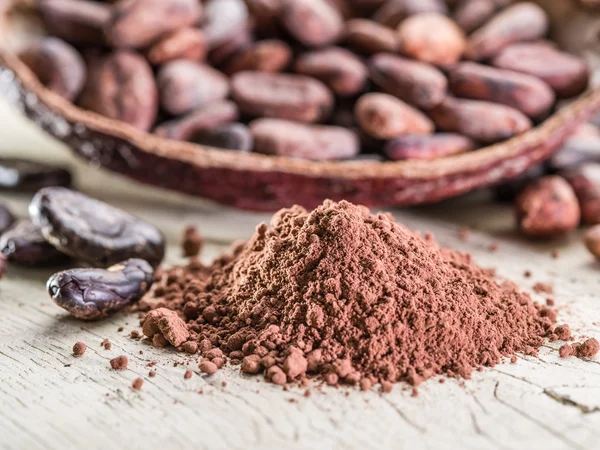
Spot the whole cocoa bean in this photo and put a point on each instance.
(24, 245)
(270, 55)
(186, 85)
(482, 121)
(187, 43)
(417, 83)
(123, 88)
(566, 74)
(427, 147)
(139, 23)
(433, 38)
(23, 175)
(341, 70)
(265, 14)
(225, 52)
(368, 36)
(528, 94)
(383, 116)
(585, 181)
(78, 21)
(231, 136)
(296, 140)
(547, 208)
(592, 240)
(314, 23)
(223, 19)
(393, 12)
(521, 22)
(293, 97)
(575, 151)
(57, 65)
(471, 14)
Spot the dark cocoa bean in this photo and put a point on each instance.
(29, 176)
(482, 121)
(293, 97)
(341, 70)
(187, 43)
(368, 36)
(57, 65)
(472, 14)
(231, 136)
(393, 12)
(24, 245)
(509, 190)
(265, 14)
(575, 151)
(314, 23)
(383, 116)
(417, 83)
(223, 19)
(6, 218)
(186, 85)
(91, 294)
(271, 55)
(427, 147)
(585, 181)
(77, 21)
(296, 140)
(93, 231)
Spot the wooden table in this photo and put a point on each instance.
(50, 399)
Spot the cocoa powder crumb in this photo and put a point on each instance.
(208, 367)
(307, 393)
(555, 254)
(190, 347)
(137, 384)
(527, 274)
(135, 334)
(513, 359)
(566, 350)
(188, 374)
(563, 332)
(464, 233)
(79, 348)
(494, 246)
(119, 363)
(550, 302)
(120, 329)
(543, 288)
(588, 349)
(106, 344)
(192, 242)
(386, 387)
(152, 374)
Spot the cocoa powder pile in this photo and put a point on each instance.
(347, 296)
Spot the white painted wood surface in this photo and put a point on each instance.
(50, 399)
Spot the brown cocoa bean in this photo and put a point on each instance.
(415, 82)
(368, 36)
(383, 116)
(521, 22)
(270, 55)
(139, 23)
(547, 208)
(585, 181)
(393, 12)
(186, 85)
(482, 121)
(341, 70)
(77, 21)
(565, 73)
(187, 43)
(432, 38)
(231, 136)
(592, 240)
(57, 65)
(471, 14)
(296, 140)
(223, 53)
(122, 88)
(223, 19)
(575, 151)
(427, 147)
(528, 94)
(293, 97)
(265, 14)
(314, 23)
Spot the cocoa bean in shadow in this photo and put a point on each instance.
(231, 136)
(367, 36)
(29, 176)
(585, 181)
(471, 14)
(393, 12)
(24, 245)
(427, 147)
(314, 23)
(77, 21)
(187, 43)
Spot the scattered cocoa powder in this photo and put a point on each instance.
(119, 363)
(137, 383)
(79, 348)
(192, 242)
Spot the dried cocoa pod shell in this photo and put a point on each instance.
(57, 65)
(231, 136)
(528, 94)
(341, 70)
(472, 14)
(521, 22)
(297, 140)
(393, 12)
(427, 147)
(139, 23)
(368, 36)
(565, 73)
(293, 97)
(585, 181)
(186, 85)
(414, 82)
(482, 121)
(187, 43)
(314, 23)
(383, 116)
(78, 21)
(223, 20)
(270, 55)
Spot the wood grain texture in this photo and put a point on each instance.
(50, 399)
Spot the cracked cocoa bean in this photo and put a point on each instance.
(585, 181)
(93, 231)
(223, 19)
(91, 294)
(231, 136)
(77, 21)
(427, 147)
(29, 176)
(6, 218)
(270, 55)
(187, 43)
(369, 37)
(24, 245)
(392, 13)
(314, 23)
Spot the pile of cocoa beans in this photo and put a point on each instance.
(313, 79)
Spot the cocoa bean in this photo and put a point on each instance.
(592, 240)
(78, 21)
(57, 65)
(585, 181)
(482, 121)
(368, 36)
(296, 140)
(293, 97)
(427, 147)
(231, 136)
(223, 19)
(6, 218)
(139, 23)
(265, 14)
(341, 70)
(223, 53)
(417, 83)
(433, 38)
(565, 73)
(575, 151)
(471, 14)
(271, 55)
(314, 23)
(528, 94)
(186, 85)
(393, 12)
(521, 22)
(187, 43)
(509, 190)
(23, 244)
(383, 116)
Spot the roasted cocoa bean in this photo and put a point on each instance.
(565, 73)
(231, 136)
(427, 147)
(528, 94)
(314, 23)
(368, 36)
(223, 19)
(393, 12)
(341, 70)
(57, 65)
(91, 294)
(186, 85)
(521, 22)
(575, 151)
(122, 88)
(483, 121)
(187, 43)
(270, 55)
(472, 14)
(6, 218)
(296, 140)
(547, 208)
(77, 21)
(29, 176)
(383, 116)
(24, 245)
(417, 83)
(293, 97)
(585, 181)
(139, 23)
(93, 231)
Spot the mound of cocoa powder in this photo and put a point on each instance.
(349, 296)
